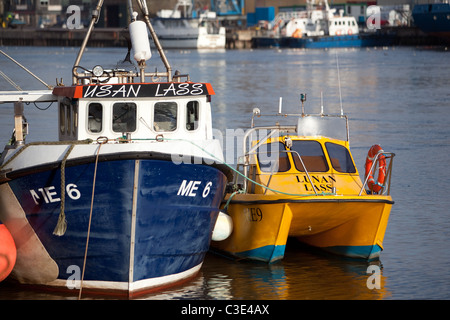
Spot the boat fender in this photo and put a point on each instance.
(8, 252)
(139, 40)
(373, 151)
(223, 227)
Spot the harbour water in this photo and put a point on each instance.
(398, 97)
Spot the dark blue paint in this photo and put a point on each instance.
(172, 232)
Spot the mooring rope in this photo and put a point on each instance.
(61, 225)
(101, 141)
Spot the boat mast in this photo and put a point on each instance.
(94, 20)
(95, 15)
(143, 6)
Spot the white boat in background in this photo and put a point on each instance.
(184, 30)
(318, 27)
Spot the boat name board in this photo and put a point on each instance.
(145, 90)
(321, 183)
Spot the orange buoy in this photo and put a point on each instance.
(373, 151)
(8, 253)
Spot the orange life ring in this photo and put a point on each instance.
(375, 186)
(338, 32)
(297, 33)
(350, 32)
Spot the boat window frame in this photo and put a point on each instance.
(349, 159)
(297, 163)
(62, 117)
(68, 114)
(75, 113)
(102, 113)
(196, 121)
(177, 116)
(281, 150)
(135, 116)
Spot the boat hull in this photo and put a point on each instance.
(259, 232)
(150, 226)
(346, 41)
(210, 41)
(433, 19)
(178, 42)
(345, 225)
(269, 42)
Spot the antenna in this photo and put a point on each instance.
(303, 99)
(321, 102)
(339, 83)
(280, 104)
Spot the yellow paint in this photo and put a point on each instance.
(256, 226)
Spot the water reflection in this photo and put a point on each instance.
(301, 275)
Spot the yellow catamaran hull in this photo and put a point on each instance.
(345, 225)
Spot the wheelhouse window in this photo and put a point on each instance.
(68, 116)
(95, 117)
(311, 154)
(124, 117)
(165, 116)
(74, 117)
(69, 119)
(192, 112)
(62, 117)
(272, 157)
(340, 158)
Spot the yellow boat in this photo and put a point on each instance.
(301, 181)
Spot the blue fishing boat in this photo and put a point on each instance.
(126, 200)
(433, 18)
(342, 41)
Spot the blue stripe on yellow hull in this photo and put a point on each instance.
(348, 226)
(357, 252)
(270, 253)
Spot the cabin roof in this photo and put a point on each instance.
(136, 90)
